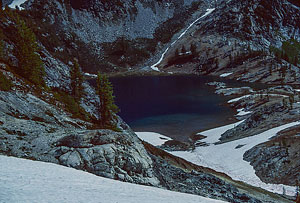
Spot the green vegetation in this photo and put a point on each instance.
(1, 45)
(5, 84)
(76, 81)
(71, 105)
(107, 106)
(184, 56)
(124, 53)
(30, 65)
(289, 51)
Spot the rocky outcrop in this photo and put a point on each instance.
(235, 91)
(34, 129)
(109, 35)
(278, 160)
(198, 183)
(6, 2)
(268, 114)
(237, 37)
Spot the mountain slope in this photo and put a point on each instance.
(32, 181)
(246, 38)
(110, 36)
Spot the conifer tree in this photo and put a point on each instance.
(176, 53)
(183, 50)
(76, 81)
(1, 44)
(217, 63)
(107, 106)
(296, 60)
(193, 49)
(30, 63)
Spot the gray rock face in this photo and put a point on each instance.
(226, 37)
(102, 32)
(278, 160)
(264, 118)
(34, 129)
(6, 2)
(235, 91)
(198, 183)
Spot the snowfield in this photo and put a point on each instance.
(16, 3)
(155, 139)
(24, 180)
(227, 158)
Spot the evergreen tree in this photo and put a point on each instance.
(176, 53)
(183, 50)
(76, 81)
(230, 58)
(107, 106)
(1, 44)
(296, 61)
(271, 69)
(30, 63)
(5, 84)
(193, 49)
(217, 63)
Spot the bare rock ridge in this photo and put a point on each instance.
(110, 36)
(240, 37)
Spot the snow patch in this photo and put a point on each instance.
(242, 112)
(213, 135)
(153, 138)
(228, 159)
(256, 95)
(24, 180)
(16, 3)
(225, 75)
(90, 75)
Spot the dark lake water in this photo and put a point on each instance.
(176, 106)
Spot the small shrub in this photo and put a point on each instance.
(5, 84)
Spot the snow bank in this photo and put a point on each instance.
(16, 3)
(155, 139)
(90, 75)
(255, 95)
(213, 135)
(242, 112)
(227, 158)
(32, 181)
(225, 75)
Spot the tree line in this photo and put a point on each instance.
(30, 66)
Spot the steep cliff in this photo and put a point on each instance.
(256, 40)
(108, 36)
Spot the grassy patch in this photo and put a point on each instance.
(5, 84)
(289, 51)
(71, 105)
